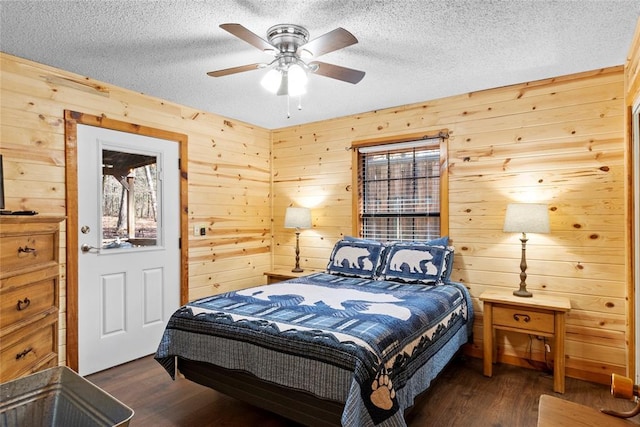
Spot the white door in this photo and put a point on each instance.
(129, 255)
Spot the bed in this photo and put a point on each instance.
(352, 346)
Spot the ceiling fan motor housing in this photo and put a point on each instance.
(287, 37)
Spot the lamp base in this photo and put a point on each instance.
(297, 268)
(523, 293)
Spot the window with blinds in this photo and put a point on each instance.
(400, 190)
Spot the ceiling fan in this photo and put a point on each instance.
(290, 45)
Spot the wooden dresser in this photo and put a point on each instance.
(29, 292)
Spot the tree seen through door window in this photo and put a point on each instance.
(129, 205)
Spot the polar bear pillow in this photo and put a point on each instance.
(356, 257)
(414, 263)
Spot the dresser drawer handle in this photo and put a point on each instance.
(23, 304)
(517, 317)
(24, 353)
(26, 250)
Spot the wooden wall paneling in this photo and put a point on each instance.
(632, 67)
(552, 136)
(322, 183)
(558, 139)
(33, 97)
(419, 117)
(592, 278)
(222, 280)
(597, 336)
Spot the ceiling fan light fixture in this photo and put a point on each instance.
(283, 89)
(297, 80)
(288, 73)
(272, 80)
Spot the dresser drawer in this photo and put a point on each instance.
(523, 318)
(20, 303)
(28, 350)
(21, 251)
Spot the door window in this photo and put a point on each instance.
(129, 200)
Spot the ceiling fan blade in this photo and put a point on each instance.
(348, 75)
(249, 37)
(333, 40)
(234, 70)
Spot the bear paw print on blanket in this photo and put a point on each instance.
(383, 392)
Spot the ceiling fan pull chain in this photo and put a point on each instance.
(288, 109)
(300, 103)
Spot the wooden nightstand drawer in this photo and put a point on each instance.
(28, 349)
(523, 318)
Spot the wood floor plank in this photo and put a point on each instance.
(461, 396)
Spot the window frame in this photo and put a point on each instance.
(443, 135)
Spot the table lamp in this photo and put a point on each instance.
(297, 218)
(525, 218)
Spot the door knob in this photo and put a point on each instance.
(86, 248)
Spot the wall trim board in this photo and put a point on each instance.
(632, 141)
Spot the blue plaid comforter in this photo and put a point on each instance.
(372, 344)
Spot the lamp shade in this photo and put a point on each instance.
(526, 218)
(297, 218)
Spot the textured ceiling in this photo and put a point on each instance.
(412, 51)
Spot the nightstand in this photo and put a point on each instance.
(278, 275)
(540, 315)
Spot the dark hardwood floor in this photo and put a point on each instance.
(461, 396)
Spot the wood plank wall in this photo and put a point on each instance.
(229, 168)
(558, 141)
(632, 96)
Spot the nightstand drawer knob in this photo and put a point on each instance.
(23, 304)
(525, 317)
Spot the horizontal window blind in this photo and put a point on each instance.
(400, 190)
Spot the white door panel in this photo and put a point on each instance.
(129, 284)
(113, 295)
(153, 290)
